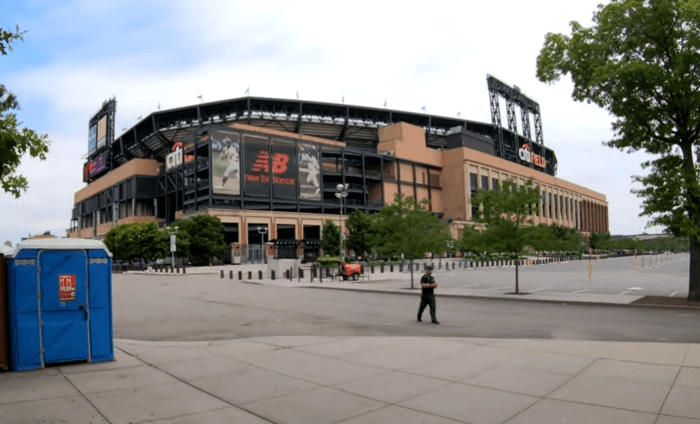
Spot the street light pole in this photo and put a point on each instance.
(263, 256)
(341, 192)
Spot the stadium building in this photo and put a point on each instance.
(268, 168)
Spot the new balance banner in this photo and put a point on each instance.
(256, 175)
(226, 164)
(309, 172)
(284, 170)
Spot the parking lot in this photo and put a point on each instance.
(662, 275)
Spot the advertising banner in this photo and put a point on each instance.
(309, 172)
(284, 170)
(95, 167)
(256, 175)
(101, 132)
(92, 139)
(226, 163)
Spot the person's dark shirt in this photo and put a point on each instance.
(426, 279)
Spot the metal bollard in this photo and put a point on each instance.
(272, 274)
(184, 269)
(260, 275)
(222, 273)
(382, 268)
(301, 273)
(250, 275)
(240, 275)
(230, 275)
(177, 270)
(391, 268)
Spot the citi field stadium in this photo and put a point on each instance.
(280, 186)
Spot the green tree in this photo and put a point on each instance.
(508, 228)
(330, 239)
(407, 228)
(599, 241)
(360, 238)
(562, 239)
(639, 61)
(15, 142)
(204, 237)
(137, 240)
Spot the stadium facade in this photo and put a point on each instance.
(273, 164)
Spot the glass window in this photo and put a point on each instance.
(556, 207)
(494, 183)
(484, 182)
(549, 206)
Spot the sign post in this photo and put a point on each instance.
(172, 232)
(172, 250)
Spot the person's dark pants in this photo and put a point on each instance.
(428, 300)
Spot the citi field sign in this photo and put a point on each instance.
(174, 159)
(526, 156)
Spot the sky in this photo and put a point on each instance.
(78, 53)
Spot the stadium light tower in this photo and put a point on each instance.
(341, 192)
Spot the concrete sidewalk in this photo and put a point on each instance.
(355, 380)
(402, 285)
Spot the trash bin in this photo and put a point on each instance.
(3, 314)
(60, 302)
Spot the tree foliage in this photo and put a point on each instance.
(360, 238)
(639, 61)
(137, 240)
(330, 239)
(599, 241)
(202, 238)
(15, 142)
(507, 227)
(408, 228)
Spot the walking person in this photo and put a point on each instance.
(427, 283)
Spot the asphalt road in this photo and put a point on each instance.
(188, 308)
(662, 275)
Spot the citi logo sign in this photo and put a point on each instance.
(174, 159)
(279, 163)
(526, 156)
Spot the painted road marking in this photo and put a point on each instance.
(631, 289)
(464, 287)
(579, 291)
(543, 288)
(673, 294)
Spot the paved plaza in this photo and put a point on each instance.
(366, 380)
(662, 275)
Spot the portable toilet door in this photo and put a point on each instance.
(64, 313)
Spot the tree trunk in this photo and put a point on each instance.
(694, 274)
(691, 184)
(516, 277)
(411, 273)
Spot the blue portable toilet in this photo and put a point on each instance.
(60, 302)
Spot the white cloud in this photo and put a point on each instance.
(437, 56)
